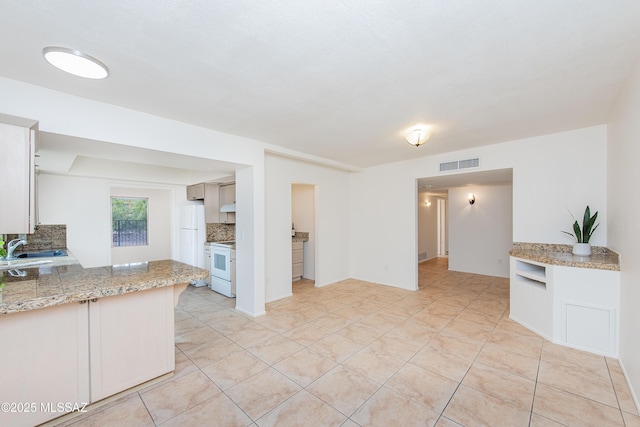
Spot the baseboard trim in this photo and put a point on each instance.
(279, 297)
(634, 396)
(248, 313)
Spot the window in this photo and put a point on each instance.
(129, 221)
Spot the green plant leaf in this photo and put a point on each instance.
(576, 229)
(588, 223)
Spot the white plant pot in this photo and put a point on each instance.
(582, 249)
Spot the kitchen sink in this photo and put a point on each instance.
(42, 254)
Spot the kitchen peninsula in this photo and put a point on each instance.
(75, 335)
(567, 299)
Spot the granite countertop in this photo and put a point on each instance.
(63, 280)
(300, 236)
(601, 258)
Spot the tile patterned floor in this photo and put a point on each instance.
(359, 354)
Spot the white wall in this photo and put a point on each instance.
(303, 216)
(547, 179)
(480, 234)
(83, 204)
(427, 227)
(332, 222)
(623, 220)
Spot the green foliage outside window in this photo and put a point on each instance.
(129, 208)
(129, 221)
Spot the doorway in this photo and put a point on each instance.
(303, 222)
(443, 250)
(475, 236)
(432, 225)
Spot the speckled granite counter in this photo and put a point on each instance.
(300, 236)
(601, 258)
(65, 280)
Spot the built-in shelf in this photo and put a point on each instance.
(531, 271)
(529, 281)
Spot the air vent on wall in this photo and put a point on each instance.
(448, 166)
(460, 164)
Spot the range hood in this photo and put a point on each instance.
(229, 207)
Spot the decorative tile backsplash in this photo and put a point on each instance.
(45, 237)
(220, 232)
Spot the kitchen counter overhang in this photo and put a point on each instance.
(602, 258)
(64, 280)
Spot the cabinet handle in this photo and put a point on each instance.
(83, 302)
(94, 300)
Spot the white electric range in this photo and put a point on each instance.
(221, 262)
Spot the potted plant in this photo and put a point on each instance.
(582, 247)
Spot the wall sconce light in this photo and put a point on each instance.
(417, 135)
(472, 198)
(428, 203)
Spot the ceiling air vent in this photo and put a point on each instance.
(459, 164)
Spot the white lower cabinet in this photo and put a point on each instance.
(572, 306)
(297, 260)
(57, 359)
(132, 340)
(45, 361)
(588, 308)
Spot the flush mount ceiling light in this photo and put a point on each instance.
(75, 62)
(417, 135)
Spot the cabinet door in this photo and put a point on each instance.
(227, 195)
(297, 270)
(211, 203)
(195, 192)
(17, 173)
(131, 340)
(45, 360)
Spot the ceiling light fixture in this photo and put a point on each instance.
(417, 135)
(75, 62)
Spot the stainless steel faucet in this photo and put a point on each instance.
(12, 246)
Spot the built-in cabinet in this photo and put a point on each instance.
(227, 196)
(45, 358)
(297, 260)
(214, 197)
(131, 340)
(17, 174)
(83, 352)
(196, 192)
(577, 307)
(211, 203)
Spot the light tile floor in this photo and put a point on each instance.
(355, 353)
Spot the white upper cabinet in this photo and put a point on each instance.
(227, 196)
(17, 175)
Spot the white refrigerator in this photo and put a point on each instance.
(193, 235)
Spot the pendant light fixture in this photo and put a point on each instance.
(417, 135)
(75, 62)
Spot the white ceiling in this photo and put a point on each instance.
(341, 79)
